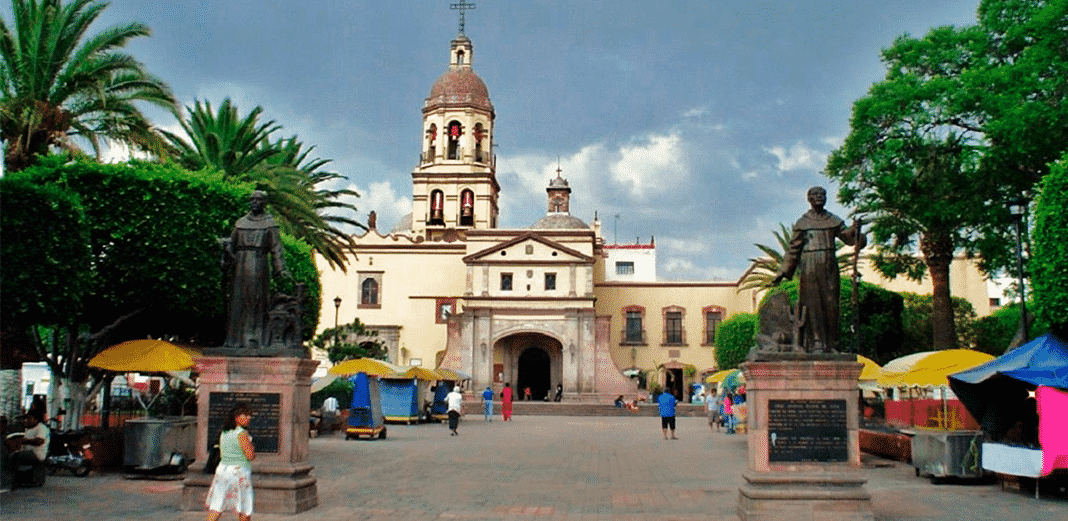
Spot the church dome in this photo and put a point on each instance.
(459, 87)
(559, 221)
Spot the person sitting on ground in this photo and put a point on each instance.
(619, 401)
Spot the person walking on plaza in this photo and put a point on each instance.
(506, 401)
(487, 402)
(455, 401)
(231, 488)
(666, 402)
(728, 415)
(712, 405)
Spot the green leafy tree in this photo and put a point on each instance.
(341, 389)
(154, 261)
(350, 341)
(59, 85)
(918, 319)
(966, 120)
(1050, 261)
(735, 336)
(42, 283)
(242, 148)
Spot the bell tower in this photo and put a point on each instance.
(454, 187)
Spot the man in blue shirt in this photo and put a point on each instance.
(487, 401)
(666, 401)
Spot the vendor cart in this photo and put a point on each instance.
(402, 398)
(365, 414)
(440, 409)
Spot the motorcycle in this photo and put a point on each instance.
(69, 450)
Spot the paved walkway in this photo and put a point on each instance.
(531, 469)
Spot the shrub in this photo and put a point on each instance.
(735, 336)
(1049, 264)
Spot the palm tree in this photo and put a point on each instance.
(242, 149)
(765, 268)
(59, 86)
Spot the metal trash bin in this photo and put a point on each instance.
(159, 444)
(941, 454)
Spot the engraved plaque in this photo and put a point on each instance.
(263, 428)
(807, 430)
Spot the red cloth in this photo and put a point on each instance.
(506, 403)
(1052, 428)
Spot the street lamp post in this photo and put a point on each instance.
(1018, 208)
(337, 309)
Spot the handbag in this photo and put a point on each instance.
(214, 457)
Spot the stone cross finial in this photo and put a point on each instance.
(463, 7)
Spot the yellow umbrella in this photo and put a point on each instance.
(364, 365)
(420, 373)
(871, 370)
(931, 368)
(144, 356)
(718, 376)
(451, 374)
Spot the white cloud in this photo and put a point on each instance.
(695, 112)
(656, 164)
(383, 200)
(682, 245)
(798, 157)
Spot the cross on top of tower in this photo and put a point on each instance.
(463, 7)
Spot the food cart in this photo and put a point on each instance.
(402, 398)
(365, 414)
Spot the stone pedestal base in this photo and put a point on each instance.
(278, 389)
(803, 442)
(797, 496)
(277, 490)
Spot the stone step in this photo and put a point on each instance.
(581, 409)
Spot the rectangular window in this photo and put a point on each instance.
(712, 320)
(625, 268)
(370, 289)
(506, 282)
(673, 327)
(633, 330)
(550, 281)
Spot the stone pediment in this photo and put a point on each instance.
(526, 248)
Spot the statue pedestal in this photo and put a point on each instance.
(803, 442)
(277, 389)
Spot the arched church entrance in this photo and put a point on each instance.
(530, 360)
(533, 371)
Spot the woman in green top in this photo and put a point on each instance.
(232, 486)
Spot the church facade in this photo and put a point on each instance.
(536, 307)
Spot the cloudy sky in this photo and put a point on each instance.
(701, 123)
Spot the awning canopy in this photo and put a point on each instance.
(931, 368)
(364, 365)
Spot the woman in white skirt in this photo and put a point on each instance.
(231, 489)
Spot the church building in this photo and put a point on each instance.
(534, 307)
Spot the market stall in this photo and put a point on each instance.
(1021, 403)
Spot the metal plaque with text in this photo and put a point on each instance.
(263, 428)
(807, 431)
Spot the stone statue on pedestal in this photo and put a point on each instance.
(812, 249)
(258, 323)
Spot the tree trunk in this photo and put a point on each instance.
(937, 248)
(11, 393)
